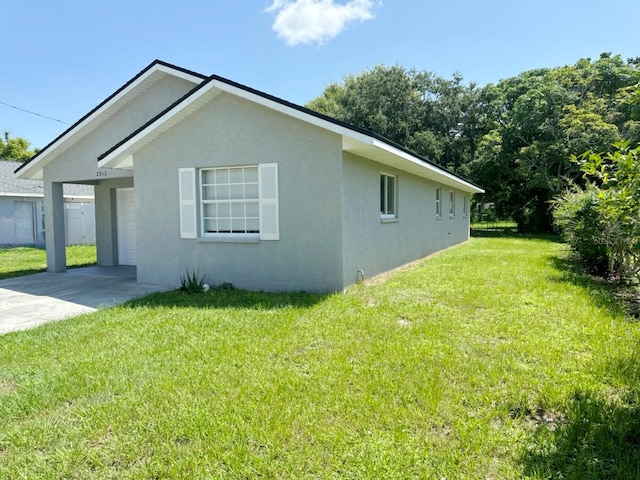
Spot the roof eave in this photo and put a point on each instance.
(121, 155)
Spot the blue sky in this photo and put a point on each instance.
(61, 58)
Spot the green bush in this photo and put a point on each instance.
(618, 176)
(576, 212)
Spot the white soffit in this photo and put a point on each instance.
(153, 75)
(391, 156)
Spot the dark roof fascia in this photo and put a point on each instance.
(286, 103)
(108, 99)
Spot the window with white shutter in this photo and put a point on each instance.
(235, 202)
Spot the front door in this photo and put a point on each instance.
(126, 224)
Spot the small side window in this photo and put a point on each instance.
(387, 196)
(438, 202)
(452, 204)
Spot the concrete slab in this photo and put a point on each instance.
(32, 300)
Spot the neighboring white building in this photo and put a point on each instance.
(195, 172)
(22, 211)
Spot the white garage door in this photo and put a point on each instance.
(126, 213)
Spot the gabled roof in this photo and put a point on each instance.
(145, 78)
(354, 139)
(10, 186)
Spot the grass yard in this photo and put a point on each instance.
(492, 360)
(18, 261)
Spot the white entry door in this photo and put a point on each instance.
(126, 213)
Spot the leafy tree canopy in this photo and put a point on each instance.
(515, 138)
(15, 148)
(538, 120)
(433, 116)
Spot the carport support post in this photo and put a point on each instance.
(54, 227)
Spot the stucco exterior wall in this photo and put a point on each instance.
(375, 246)
(230, 131)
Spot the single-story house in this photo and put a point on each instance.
(195, 172)
(22, 210)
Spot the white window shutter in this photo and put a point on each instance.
(269, 221)
(188, 222)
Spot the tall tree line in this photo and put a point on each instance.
(515, 138)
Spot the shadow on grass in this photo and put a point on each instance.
(239, 299)
(511, 232)
(600, 437)
(619, 298)
(21, 273)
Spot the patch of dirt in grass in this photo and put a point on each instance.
(371, 302)
(441, 432)
(536, 417)
(7, 387)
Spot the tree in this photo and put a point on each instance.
(536, 121)
(602, 221)
(16, 148)
(515, 138)
(430, 115)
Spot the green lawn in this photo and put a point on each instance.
(492, 360)
(17, 261)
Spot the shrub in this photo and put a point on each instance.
(576, 212)
(618, 174)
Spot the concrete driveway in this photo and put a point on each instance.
(32, 300)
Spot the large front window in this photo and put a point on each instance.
(230, 200)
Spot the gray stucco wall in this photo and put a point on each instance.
(230, 131)
(374, 246)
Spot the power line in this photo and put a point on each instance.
(34, 113)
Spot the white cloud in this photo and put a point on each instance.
(316, 21)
